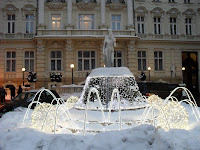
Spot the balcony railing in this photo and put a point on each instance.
(115, 1)
(63, 1)
(77, 32)
(86, 1)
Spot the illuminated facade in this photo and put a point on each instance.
(48, 35)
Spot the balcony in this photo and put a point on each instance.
(116, 4)
(86, 4)
(81, 33)
(55, 4)
(55, 1)
(16, 35)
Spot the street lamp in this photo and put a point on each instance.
(23, 70)
(183, 72)
(72, 67)
(183, 68)
(149, 69)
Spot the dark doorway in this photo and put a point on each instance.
(190, 74)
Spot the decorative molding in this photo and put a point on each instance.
(132, 45)
(157, 11)
(28, 9)
(68, 45)
(86, 43)
(55, 44)
(40, 45)
(189, 13)
(56, 5)
(116, 5)
(141, 11)
(86, 5)
(173, 12)
(10, 9)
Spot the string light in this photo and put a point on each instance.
(42, 111)
(171, 114)
(71, 101)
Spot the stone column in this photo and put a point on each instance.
(69, 12)
(199, 70)
(103, 12)
(40, 64)
(130, 12)
(69, 59)
(2, 62)
(41, 12)
(131, 57)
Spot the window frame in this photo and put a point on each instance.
(29, 61)
(90, 58)
(142, 66)
(29, 22)
(11, 23)
(11, 60)
(173, 25)
(188, 26)
(157, 25)
(91, 21)
(158, 58)
(116, 22)
(116, 58)
(56, 21)
(140, 24)
(56, 60)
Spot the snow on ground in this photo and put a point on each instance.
(17, 136)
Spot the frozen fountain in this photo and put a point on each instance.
(111, 92)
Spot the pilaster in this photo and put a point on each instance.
(41, 13)
(130, 12)
(69, 12)
(131, 57)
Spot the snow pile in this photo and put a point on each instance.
(17, 136)
(111, 72)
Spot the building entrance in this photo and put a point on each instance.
(190, 74)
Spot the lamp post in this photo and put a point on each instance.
(149, 69)
(183, 69)
(72, 67)
(23, 70)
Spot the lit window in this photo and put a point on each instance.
(56, 21)
(29, 23)
(171, 1)
(158, 60)
(10, 61)
(188, 26)
(117, 58)
(173, 26)
(86, 21)
(116, 22)
(142, 60)
(11, 23)
(29, 61)
(56, 60)
(157, 25)
(140, 24)
(86, 60)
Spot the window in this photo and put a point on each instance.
(29, 61)
(118, 58)
(142, 62)
(171, 1)
(187, 1)
(157, 25)
(140, 24)
(86, 60)
(173, 26)
(56, 60)
(86, 21)
(188, 26)
(156, 0)
(29, 23)
(10, 61)
(56, 21)
(116, 22)
(158, 60)
(11, 23)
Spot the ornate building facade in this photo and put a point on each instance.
(46, 36)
